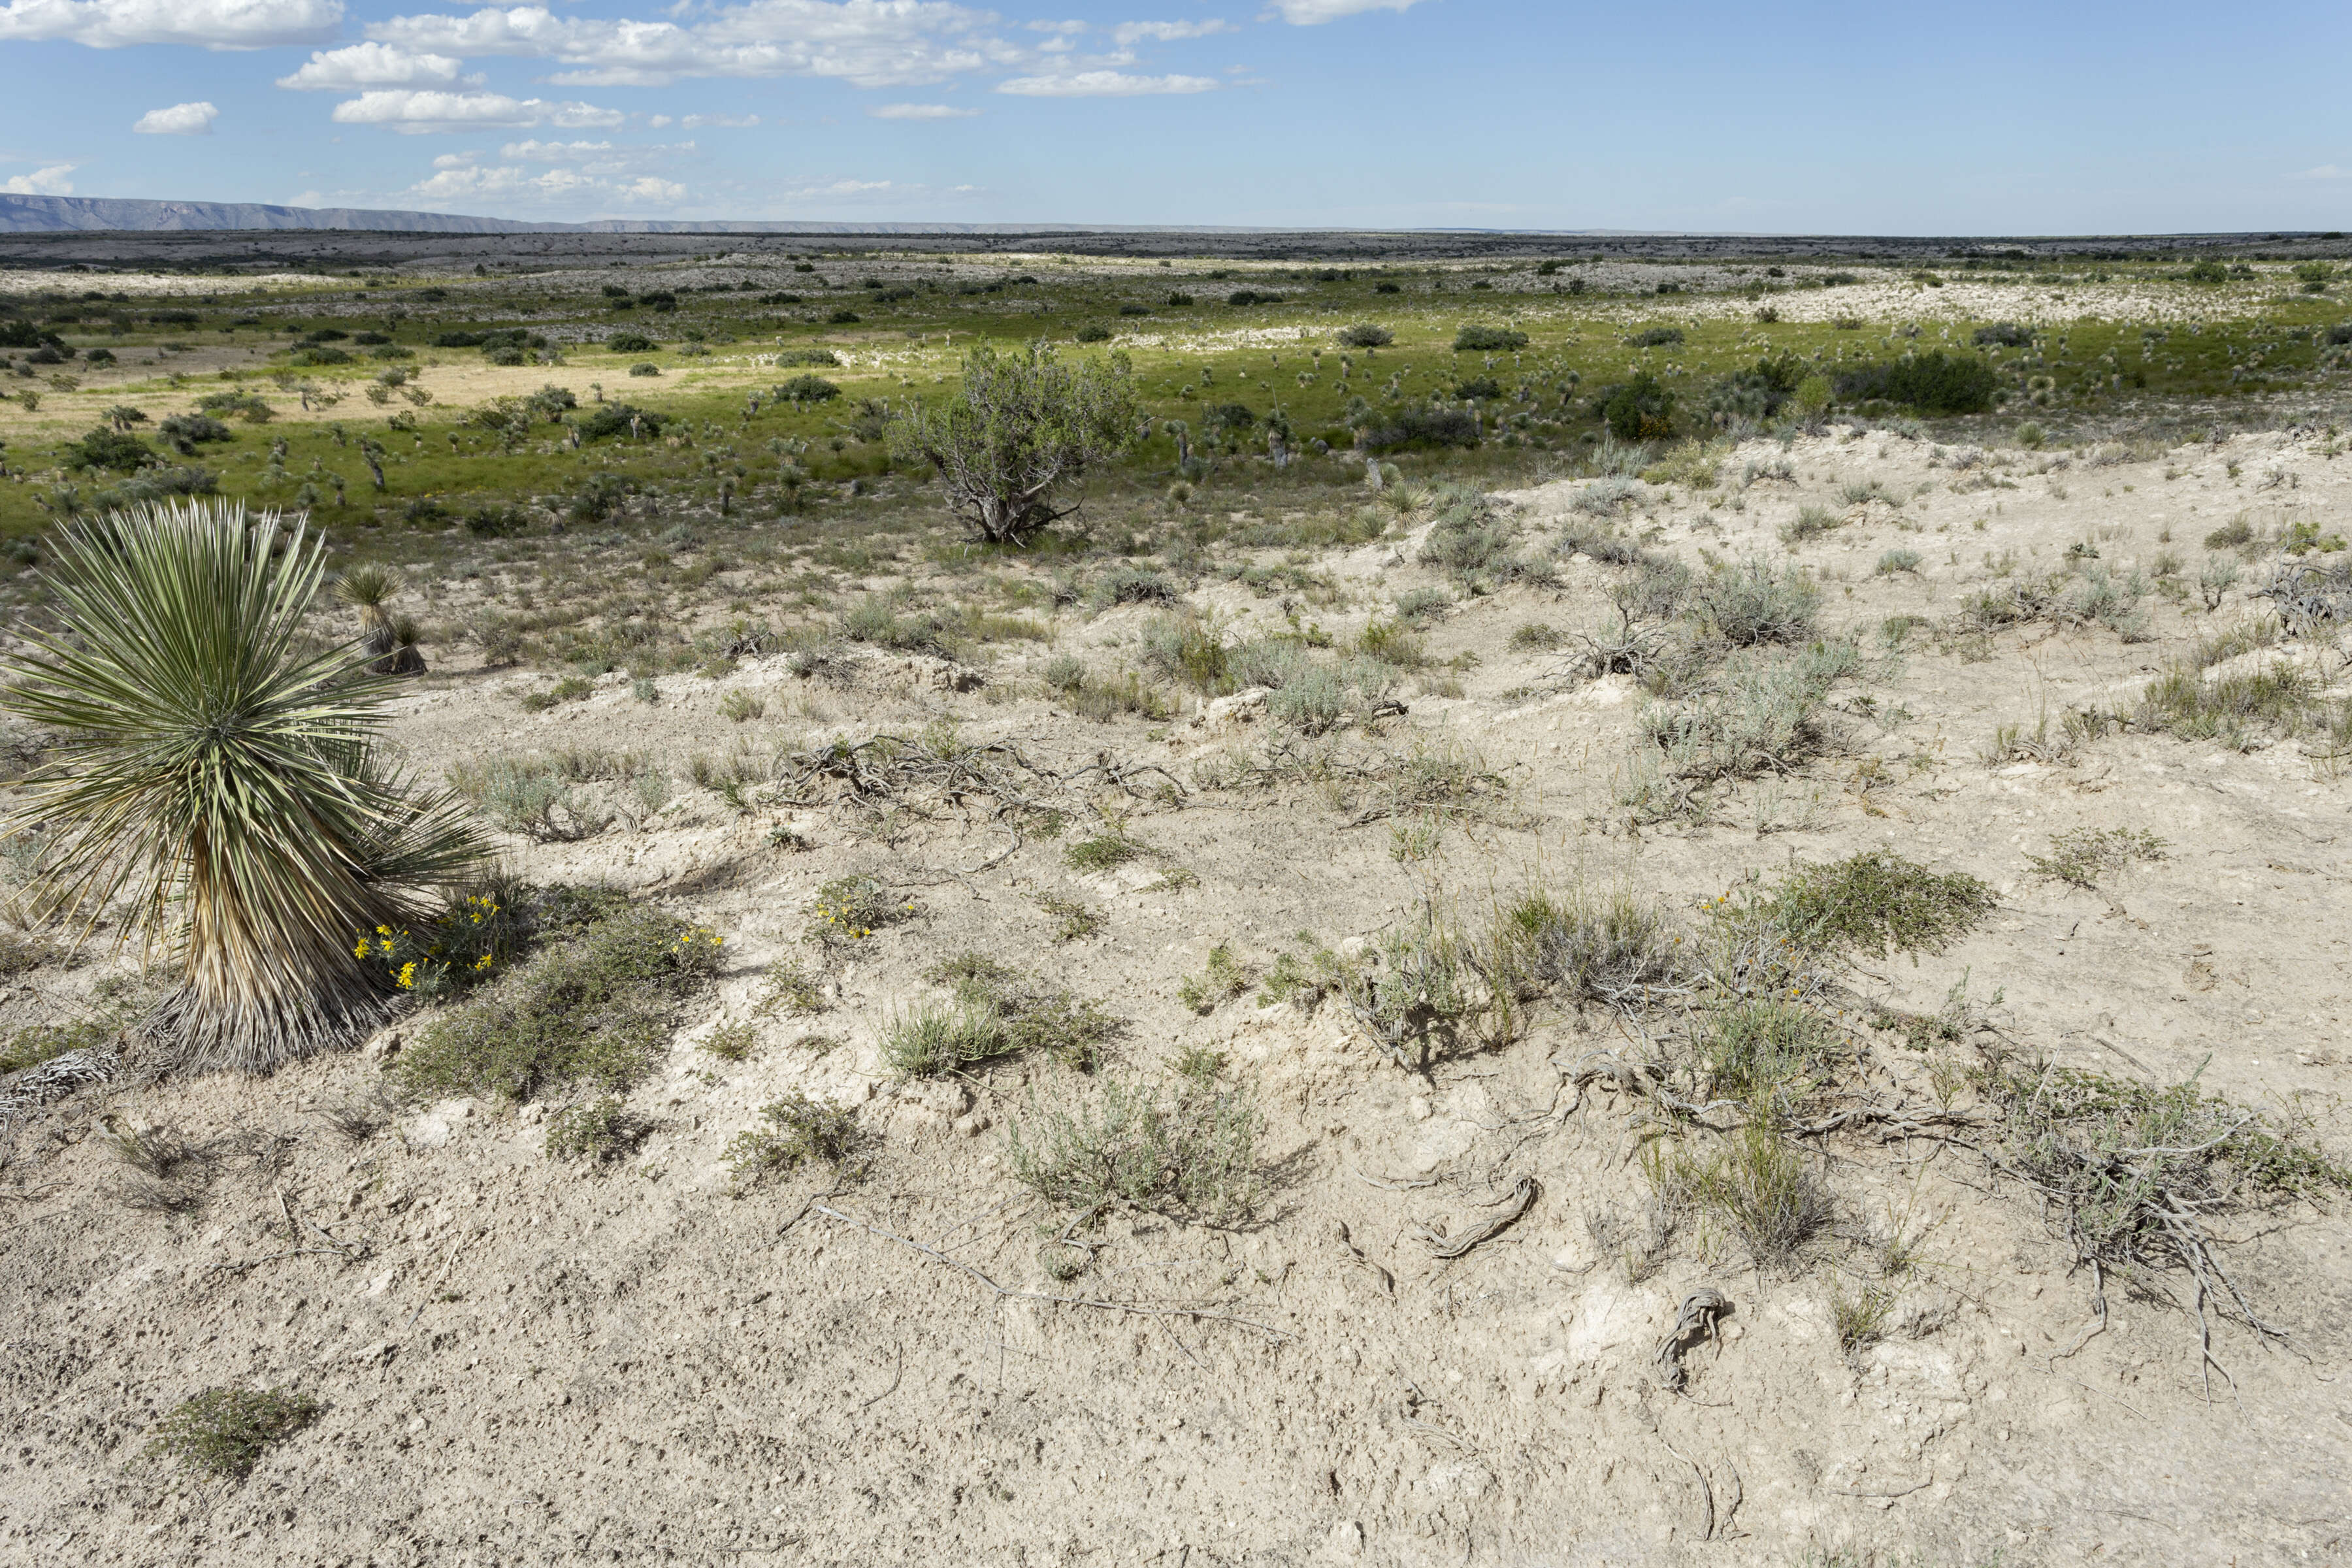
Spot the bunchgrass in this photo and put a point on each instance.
(224, 1432)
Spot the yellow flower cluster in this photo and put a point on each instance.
(407, 974)
(699, 933)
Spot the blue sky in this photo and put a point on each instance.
(1998, 118)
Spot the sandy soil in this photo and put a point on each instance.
(535, 1364)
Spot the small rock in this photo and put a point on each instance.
(973, 1125)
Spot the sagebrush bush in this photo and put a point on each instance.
(996, 1013)
(1750, 604)
(1932, 382)
(1186, 1147)
(1478, 339)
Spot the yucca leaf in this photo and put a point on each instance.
(218, 776)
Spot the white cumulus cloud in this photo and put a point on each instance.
(513, 185)
(205, 24)
(1103, 84)
(414, 112)
(868, 43)
(180, 119)
(371, 65)
(723, 121)
(1127, 33)
(1310, 12)
(48, 182)
(921, 111)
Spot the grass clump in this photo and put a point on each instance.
(1613, 948)
(2232, 708)
(1186, 1147)
(2080, 857)
(995, 1013)
(1873, 901)
(1756, 1183)
(594, 1006)
(1766, 1048)
(798, 1130)
(731, 1042)
(224, 1432)
(1221, 979)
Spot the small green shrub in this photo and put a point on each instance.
(1766, 1049)
(787, 987)
(594, 1005)
(1642, 409)
(1108, 849)
(600, 1130)
(1365, 335)
(1224, 978)
(1186, 1147)
(1582, 946)
(1898, 559)
(740, 706)
(996, 1013)
(1073, 919)
(1748, 603)
(799, 1130)
(1758, 1186)
(1932, 382)
(1812, 523)
(731, 1042)
(224, 1432)
(1876, 900)
(2080, 855)
(852, 909)
(1478, 339)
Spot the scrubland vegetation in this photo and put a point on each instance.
(1501, 811)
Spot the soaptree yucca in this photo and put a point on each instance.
(215, 771)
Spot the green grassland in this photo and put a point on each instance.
(1224, 355)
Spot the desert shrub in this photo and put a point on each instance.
(1748, 605)
(107, 448)
(460, 946)
(851, 909)
(1483, 387)
(1412, 424)
(995, 1013)
(187, 431)
(799, 1130)
(1471, 541)
(496, 521)
(1133, 586)
(1655, 337)
(1222, 978)
(1580, 946)
(598, 1131)
(1477, 338)
(1900, 559)
(1102, 851)
(2207, 271)
(1418, 606)
(2132, 1172)
(593, 1005)
(530, 795)
(2235, 534)
(1876, 900)
(1536, 637)
(1186, 1147)
(224, 1432)
(1185, 650)
(1365, 335)
(2008, 334)
(1810, 523)
(806, 389)
(1757, 715)
(1315, 698)
(1638, 410)
(2080, 855)
(1932, 382)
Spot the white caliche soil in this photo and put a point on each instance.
(538, 1363)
